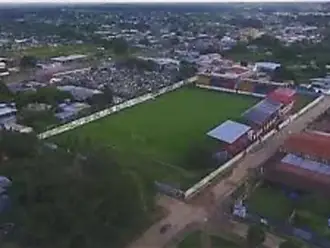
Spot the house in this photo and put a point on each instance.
(70, 58)
(79, 93)
(267, 67)
(7, 113)
(305, 163)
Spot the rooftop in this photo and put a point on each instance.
(309, 143)
(260, 112)
(229, 131)
(69, 58)
(282, 95)
(267, 65)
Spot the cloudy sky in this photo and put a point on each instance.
(139, 1)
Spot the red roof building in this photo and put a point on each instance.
(237, 70)
(282, 95)
(298, 178)
(310, 144)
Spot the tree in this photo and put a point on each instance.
(39, 120)
(74, 199)
(119, 46)
(47, 95)
(102, 100)
(255, 236)
(186, 70)
(5, 94)
(28, 61)
(290, 244)
(282, 74)
(16, 145)
(4, 90)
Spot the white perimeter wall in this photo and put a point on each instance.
(103, 113)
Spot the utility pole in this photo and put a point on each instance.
(205, 235)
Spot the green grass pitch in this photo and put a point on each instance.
(154, 137)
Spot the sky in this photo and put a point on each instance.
(139, 1)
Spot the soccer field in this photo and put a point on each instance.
(154, 137)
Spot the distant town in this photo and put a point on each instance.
(179, 101)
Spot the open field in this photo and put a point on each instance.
(155, 138)
(312, 211)
(193, 240)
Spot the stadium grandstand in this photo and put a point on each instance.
(233, 136)
(262, 117)
(304, 163)
(266, 114)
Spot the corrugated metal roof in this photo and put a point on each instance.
(298, 178)
(282, 95)
(229, 131)
(260, 112)
(7, 110)
(306, 164)
(312, 144)
(304, 174)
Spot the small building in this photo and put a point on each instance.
(310, 145)
(79, 93)
(267, 67)
(69, 59)
(18, 128)
(69, 111)
(285, 96)
(300, 173)
(7, 113)
(234, 135)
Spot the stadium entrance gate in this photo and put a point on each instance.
(169, 190)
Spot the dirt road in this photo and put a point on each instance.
(182, 214)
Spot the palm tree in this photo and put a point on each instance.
(255, 236)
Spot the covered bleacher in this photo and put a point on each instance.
(260, 113)
(233, 135)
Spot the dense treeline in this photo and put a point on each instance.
(77, 198)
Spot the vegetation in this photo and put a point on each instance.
(47, 95)
(263, 199)
(309, 211)
(193, 240)
(290, 244)
(28, 61)
(159, 134)
(81, 198)
(5, 94)
(300, 61)
(255, 236)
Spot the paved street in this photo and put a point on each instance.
(182, 214)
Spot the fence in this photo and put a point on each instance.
(210, 177)
(230, 90)
(111, 110)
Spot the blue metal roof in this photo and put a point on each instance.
(306, 164)
(229, 131)
(260, 112)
